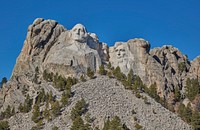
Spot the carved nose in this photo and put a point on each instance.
(118, 54)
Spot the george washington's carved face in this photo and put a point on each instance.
(120, 53)
(79, 33)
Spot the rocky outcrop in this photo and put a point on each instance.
(134, 55)
(194, 71)
(175, 67)
(74, 52)
(49, 45)
(41, 36)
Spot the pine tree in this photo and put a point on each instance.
(177, 94)
(106, 125)
(79, 109)
(118, 74)
(192, 88)
(51, 97)
(36, 75)
(28, 104)
(21, 108)
(109, 65)
(65, 97)
(153, 92)
(102, 70)
(36, 114)
(130, 76)
(78, 124)
(114, 124)
(82, 78)
(185, 112)
(46, 114)
(55, 128)
(4, 125)
(56, 109)
(8, 113)
(4, 80)
(195, 120)
(13, 111)
(90, 73)
(110, 74)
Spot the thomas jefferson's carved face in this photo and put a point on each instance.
(79, 33)
(120, 52)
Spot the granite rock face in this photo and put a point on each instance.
(134, 55)
(41, 36)
(175, 67)
(194, 71)
(48, 45)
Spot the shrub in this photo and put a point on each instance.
(110, 74)
(102, 70)
(79, 109)
(133, 111)
(36, 114)
(118, 74)
(82, 78)
(56, 109)
(130, 78)
(138, 126)
(177, 94)
(138, 95)
(78, 124)
(146, 100)
(46, 114)
(3, 81)
(65, 97)
(109, 66)
(90, 73)
(27, 106)
(192, 88)
(114, 124)
(4, 125)
(153, 92)
(181, 67)
(55, 128)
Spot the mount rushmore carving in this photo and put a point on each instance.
(49, 45)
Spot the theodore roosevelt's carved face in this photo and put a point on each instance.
(79, 33)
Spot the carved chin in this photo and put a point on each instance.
(119, 60)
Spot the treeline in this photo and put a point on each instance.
(187, 113)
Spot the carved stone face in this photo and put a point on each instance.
(120, 53)
(79, 33)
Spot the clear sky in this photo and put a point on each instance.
(174, 22)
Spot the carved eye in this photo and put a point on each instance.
(82, 30)
(116, 50)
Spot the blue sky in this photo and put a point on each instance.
(174, 22)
